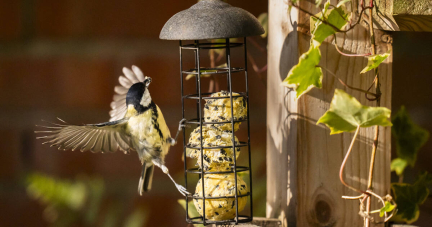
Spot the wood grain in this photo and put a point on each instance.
(303, 160)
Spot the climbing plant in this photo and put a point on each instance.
(346, 114)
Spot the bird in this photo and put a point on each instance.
(136, 124)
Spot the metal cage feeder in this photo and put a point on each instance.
(210, 20)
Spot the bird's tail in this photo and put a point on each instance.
(146, 178)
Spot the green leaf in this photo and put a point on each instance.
(305, 75)
(53, 192)
(136, 219)
(263, 19)
(346, 114)
(375, 60)
(342, 2)
(388, 207)
(408, 198)
(409, 136)
(338, 17)
(191, 210)
(398, 165)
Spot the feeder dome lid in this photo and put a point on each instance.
(211, 19)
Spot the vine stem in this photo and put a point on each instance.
(329, 24)
(345, 54)
(378, 103)
(348, 86)
(344, 164)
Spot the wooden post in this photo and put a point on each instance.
(303, 160)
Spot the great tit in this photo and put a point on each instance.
(136, 124)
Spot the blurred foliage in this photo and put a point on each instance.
(409, 139)
(263, 19)
(78, 202)
(191, 210)
(410, 196)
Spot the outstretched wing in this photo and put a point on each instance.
(104, 137)
(118, 105)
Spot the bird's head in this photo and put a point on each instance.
(138, 95)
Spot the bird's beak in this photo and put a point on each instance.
(147, 81)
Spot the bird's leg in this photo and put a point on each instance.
(179, 187)
(173, 141)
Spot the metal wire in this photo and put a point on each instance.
(198, 96)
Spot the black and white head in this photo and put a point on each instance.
(138, 95)
(132, 92)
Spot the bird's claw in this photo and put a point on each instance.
(182, 190)
(181, 123)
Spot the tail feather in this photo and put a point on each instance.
(146, 179)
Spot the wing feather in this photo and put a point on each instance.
(104, 137)
(118, 105)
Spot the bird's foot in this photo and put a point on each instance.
(181, 123)
(182, 190)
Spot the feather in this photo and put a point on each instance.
(130, 75)
(125, 82)
(104, 137)
(139, 74)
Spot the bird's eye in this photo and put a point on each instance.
(147, 81)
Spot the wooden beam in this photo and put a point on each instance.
(413, 15)
(303, 160)
(403, 15)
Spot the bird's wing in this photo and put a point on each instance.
(118, 105)
(104, 137)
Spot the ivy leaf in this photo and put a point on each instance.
(408, 198)
(338, 17)
(53, 192)
(398, 165)
(342, 2)
(263, 19)
(375, 60)
(346, 114)
(305, 75)
(409, 136)
(388, 207)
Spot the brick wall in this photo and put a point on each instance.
(62, 59)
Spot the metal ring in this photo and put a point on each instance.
(196, 96)
(221, 70)
(244, 219)
(193, 46)
(238, 169)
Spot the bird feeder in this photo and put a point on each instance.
(198, 29)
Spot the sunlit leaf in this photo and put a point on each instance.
(408, 198)
(375, 60)
(136, 219)
(388, 207)
(398, 165)
(191, 210)
(338, 17)
(342, 2)
(346, 114)
(263, 19)
(55, 192)
(305, 75)
(409, 136)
